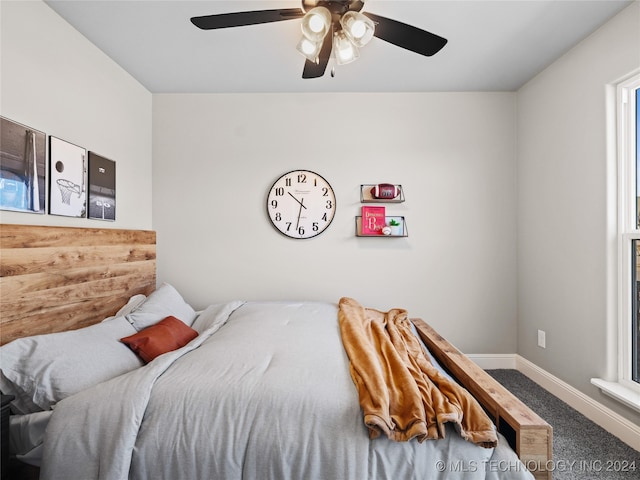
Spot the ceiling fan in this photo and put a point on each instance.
(336, 26)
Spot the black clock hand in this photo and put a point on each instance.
(299, 211)
(301, 205)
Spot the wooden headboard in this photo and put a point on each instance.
(54, 279)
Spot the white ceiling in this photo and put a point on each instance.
(493, 45)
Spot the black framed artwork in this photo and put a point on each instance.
(67, 172)
(23, 168)
(102, 187)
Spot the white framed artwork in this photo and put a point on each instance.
(67, 173)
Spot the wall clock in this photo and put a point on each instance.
(301, 204)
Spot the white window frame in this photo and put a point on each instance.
(624, 388)
(627, 222)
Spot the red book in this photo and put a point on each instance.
(373, 220)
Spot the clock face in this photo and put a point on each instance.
(301, 204)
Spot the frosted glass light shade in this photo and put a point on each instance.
(309, 48)
(316, 24)
(358, 28)
(344, 50)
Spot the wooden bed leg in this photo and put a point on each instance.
(532, 442)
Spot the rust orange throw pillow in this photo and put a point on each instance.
(165, 336)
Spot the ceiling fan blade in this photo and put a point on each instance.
(240, 19)
(313, 69)
(407, 36)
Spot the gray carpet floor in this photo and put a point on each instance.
(581, 449)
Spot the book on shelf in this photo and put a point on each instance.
(373, 220)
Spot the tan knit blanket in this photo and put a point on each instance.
(401, 393)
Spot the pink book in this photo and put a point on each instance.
(373, 219)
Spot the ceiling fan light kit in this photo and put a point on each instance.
(355, 31)
(332, 27)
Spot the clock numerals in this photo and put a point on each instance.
(301, 204)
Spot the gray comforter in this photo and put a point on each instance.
(264, 392)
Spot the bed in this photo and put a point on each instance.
(279, 403)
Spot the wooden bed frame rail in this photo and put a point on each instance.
(528, 434)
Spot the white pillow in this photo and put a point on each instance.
(43, 369)
(163, 302)
(133, 303)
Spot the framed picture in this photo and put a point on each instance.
(102, 187)
(67, 169)
(23, 168)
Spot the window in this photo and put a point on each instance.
(627, 133)
(628, 123)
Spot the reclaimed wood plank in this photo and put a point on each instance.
(32, 236)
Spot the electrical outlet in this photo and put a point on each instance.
(542, 339)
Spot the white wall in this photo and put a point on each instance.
(216, 156)
(56, 81)
(562, 207)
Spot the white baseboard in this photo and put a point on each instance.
(490, 361)
(612, 422)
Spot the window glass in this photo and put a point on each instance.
(635, 330)
(635, 327)
(637, 142)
